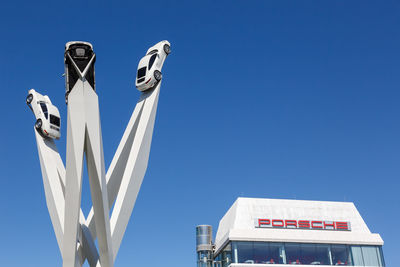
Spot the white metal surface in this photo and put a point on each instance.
(76, 234)
(53, 172)
(149, 65)
(135, 169)
(238, 223)
(84, 136)
(129, 165)
(47, 128)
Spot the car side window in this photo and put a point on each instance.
(44, 109)
(55, 120)
(151, 61)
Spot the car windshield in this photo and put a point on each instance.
(141, 72)
(151, 61)
(55, 120)
(44, 109)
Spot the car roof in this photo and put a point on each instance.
(144, 61)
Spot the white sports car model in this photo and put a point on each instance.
(47, 115)
(77, 57)
(149, 69)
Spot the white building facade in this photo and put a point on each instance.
(296, 232)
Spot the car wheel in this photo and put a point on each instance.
(29, 99)
(167, 49)
(157, 75)
(38, 124)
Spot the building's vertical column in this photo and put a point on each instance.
(282, 253)
(235, 252)
(330, 256)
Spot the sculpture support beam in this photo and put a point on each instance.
(53, 173)
(76, 235)
(84, 136)
(52, 184)
(135, 169)
(124, 178)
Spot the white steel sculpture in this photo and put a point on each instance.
(75, 233)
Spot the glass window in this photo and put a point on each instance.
(292, 253)
(357, 256)
(307, 254)
(275, 253)
(152, 52)
(55, 120)
(226, 256)
(261, 251)
(204, 259)
(151, 61)
(370, 255)
(43, 106)
(44, 109)
(300, 253)
(340, 255)
(380, 257)
(217, 261)
(141, 72)
(245, 252)
(322, 255)
(268, 253)
(313, 254)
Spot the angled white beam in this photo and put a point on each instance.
(135, 169)
(118, 163)
(118, 167)
(52, 186)
(53, 173)
(74, 168)
(89, 247)
(84, 136)
(97, 176)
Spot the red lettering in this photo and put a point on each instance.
(342, 226)
(304, 224)
(313, 224)
(329, 224)
(262, 222)
(291, 223)
(280, 223)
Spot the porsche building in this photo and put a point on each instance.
(274, 231)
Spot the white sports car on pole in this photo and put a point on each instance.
(79, 61)
(149, 69)
(47, 115)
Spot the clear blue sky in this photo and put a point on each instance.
(277, 99)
